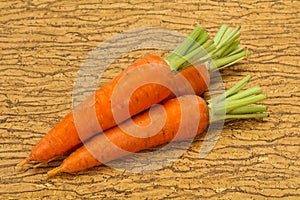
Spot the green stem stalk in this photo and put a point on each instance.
(186, 44)
(246, 116)
(245, 93)
(220, 34)
(235, 103)
(229, 60)
(249, 109)
(231, 105)
(232, 90)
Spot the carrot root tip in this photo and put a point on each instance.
(38, 165)
(24, 162)
(54, 171)
(45, 162)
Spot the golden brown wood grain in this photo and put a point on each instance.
(43, 44)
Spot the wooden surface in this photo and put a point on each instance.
(43, 44)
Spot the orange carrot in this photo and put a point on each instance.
(193, 106)
(65, 135)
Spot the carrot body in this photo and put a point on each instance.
(64, 136)
(101, 145)
(178, 118)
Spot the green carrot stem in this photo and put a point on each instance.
(186, 44)
(225, 35)
(230, 105)
(220, 34)
(232, 90)
(190, 47)
(246, 116)
(236, 116)
(234, 45)
(208, 44)
(229, 36)
(251, 91)
(238, 86)
(228, 47)
(237, 50)
(249, 109)
(201, 39)
(191, 57)
(230, 60)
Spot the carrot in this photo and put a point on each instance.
(189, 112)
(80, 124)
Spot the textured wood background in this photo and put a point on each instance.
(43, 44)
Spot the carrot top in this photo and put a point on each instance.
(223, 50)
(235, 103)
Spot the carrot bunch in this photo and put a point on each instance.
(192, 61)
(187, 112)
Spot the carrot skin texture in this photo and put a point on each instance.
(100, 145)
(64, 136)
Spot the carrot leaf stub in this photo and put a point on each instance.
(236, 104)
(222, 51)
